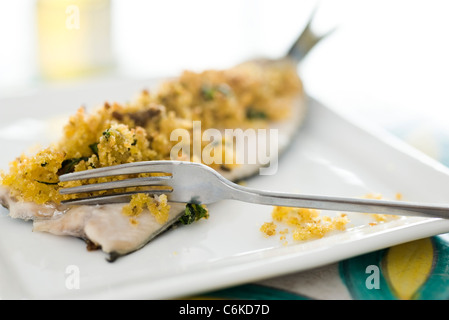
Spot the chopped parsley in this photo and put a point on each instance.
(68, 165)
(253, 114)
(94, 148)
(48, 183)
(207, 92)
(193, 212)
(107, 134)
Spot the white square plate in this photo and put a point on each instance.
(331, 155)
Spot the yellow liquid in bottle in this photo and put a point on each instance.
(74, 38)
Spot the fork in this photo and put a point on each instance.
(191, 182)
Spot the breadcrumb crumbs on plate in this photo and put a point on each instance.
(379, 217)
(305, 223)
(268, 229)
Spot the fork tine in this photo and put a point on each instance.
(123, 197)
(121, 169)
(136, 182)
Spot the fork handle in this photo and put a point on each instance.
(343, 204)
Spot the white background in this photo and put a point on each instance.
(387, 60)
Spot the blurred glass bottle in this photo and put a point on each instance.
(74, 38)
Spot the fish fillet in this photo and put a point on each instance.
(107, 228)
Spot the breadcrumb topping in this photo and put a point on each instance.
(248, 95)
(157, 205)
